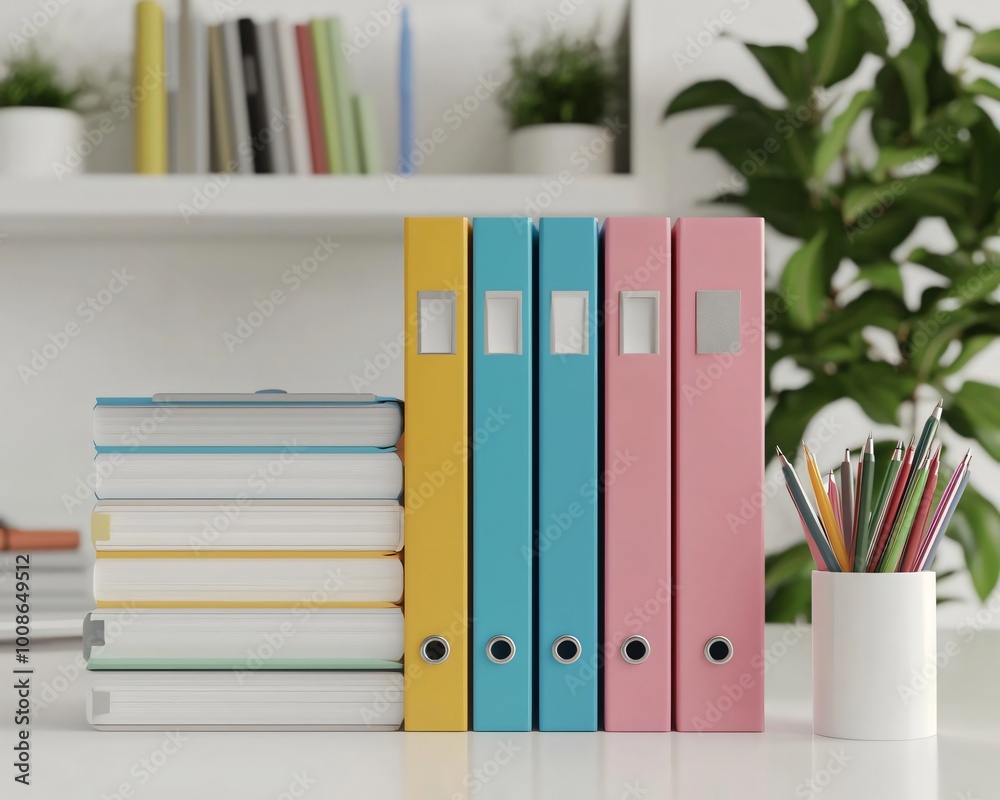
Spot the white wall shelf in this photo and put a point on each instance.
(123, 206)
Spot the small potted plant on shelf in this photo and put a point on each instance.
(558, 100)
(38, 120)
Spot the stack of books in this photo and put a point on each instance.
(248, 563)
(244, 96)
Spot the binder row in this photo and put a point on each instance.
(585, 411)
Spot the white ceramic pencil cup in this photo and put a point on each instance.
(874, 649)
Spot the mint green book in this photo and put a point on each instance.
(367, 130)
(327, 95)
(342, 98)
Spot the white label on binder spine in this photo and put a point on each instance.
(437, 323)
(503, 323)
(568, 323)
(639, 323)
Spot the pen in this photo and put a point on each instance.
(815, 535)
(945, 510)
(915, 541)
(892, 509)
(847, 501)
(863, 548)
(904, 521)
(863, 499)
(826, 510)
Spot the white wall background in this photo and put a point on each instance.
(165, 332)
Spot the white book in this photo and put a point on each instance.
(285, 581)
(286, 475)
(274, 99)
(193, 100)
(218, 525)
(294, 95)
(249, 639)
(221, 421)
(236, 102)
(260, 700)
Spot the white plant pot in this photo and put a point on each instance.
(874, 649)
(38, 142)
(551, 149)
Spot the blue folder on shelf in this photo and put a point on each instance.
(502, 473)
(567, 472)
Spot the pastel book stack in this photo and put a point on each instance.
(248, 568)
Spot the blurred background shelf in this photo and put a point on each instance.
(125, 206)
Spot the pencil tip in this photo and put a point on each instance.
(778, 449)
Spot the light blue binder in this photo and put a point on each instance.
(567, 472)
(503, 255)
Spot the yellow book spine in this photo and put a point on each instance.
(436, 631)
(149, 90)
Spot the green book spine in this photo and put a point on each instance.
(327, 95)
(342, 97)
(368, 143)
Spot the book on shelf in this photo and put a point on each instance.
(247, 96)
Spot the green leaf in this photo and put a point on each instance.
(794, 410)
(980, 403)
(781, 202)
(833, 143)
(977, 283)
(986, 48)
(932, 194)
(802, 283)
(884, 275)
(892, 157)
(791, 601)
(786, 565)
(983, 87)
(876, 308)
(878, 388)
(951, 265)
(748, 140)
(932, 332)
(971, 347)
(844, 33)
(708, 94)
(787, 68)
(912, 64)
(976, 527)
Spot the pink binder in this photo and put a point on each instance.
(718, 474)
(637, 580)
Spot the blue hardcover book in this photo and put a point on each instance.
(567, 475)
(503, 251)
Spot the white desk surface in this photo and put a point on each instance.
(69, 760)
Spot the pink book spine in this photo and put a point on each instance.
(718, 474)
(637, 446)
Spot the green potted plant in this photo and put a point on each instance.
(557, 101)
(38, 120)
(837, 313)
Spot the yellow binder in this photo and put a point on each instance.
(436, 253)
(149, 90)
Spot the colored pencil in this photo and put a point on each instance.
(826, 510)
(914, 542)
(815, 535)
(847, 496)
